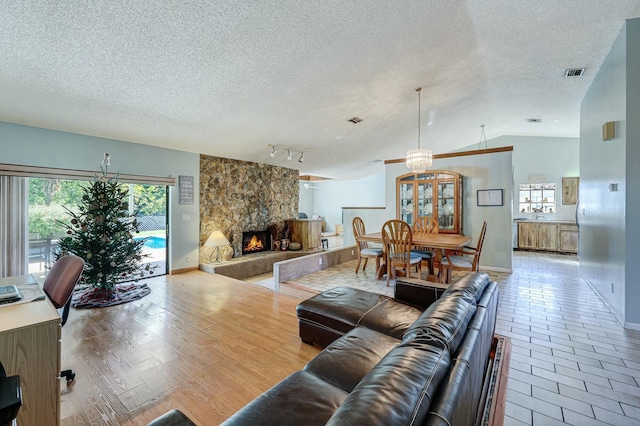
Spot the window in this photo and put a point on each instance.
(49, 199)
(537, 198)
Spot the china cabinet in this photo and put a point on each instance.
(436, 193)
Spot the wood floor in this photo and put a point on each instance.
(204, 344)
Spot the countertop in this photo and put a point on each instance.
(564, 222)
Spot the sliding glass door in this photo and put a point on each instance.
(49, 200)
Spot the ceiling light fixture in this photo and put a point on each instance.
(483, 138)
(419, 159)
(290, 152)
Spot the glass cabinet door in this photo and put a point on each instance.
(435, 193)
(425, 199)
(446, 205)
(406, 202)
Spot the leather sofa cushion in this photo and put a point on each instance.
(347, 360)
(300, 399)
(399, 390)
(446, 319)
(471, 285)
(390, 317)
(339, 308)
(457, 399)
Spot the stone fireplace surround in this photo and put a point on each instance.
(240, 196)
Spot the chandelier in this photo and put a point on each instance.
(419, 159)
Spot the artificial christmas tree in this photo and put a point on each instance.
(102, 233)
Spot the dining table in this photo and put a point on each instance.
(439, 242)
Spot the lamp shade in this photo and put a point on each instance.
(216, 239)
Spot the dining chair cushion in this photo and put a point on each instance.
(423, 254)
(458, 261)
(371, 252)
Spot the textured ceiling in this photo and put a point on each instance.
(226, 78)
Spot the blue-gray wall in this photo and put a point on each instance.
(609, 227)
(32, 146)
(485, 171)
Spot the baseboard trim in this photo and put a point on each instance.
(183, 270)
(617, 315)
(494, 269)
(632, 326)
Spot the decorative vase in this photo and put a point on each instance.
(276, 245)
(284, 244)
(226, 253)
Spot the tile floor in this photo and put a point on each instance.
(571, 362)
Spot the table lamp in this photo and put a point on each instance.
(216, 240)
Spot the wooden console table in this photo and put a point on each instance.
(30, 347)
(306, 231)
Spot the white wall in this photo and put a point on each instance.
(305, 200)
(330, 196)
(34, 146)
(609, 227)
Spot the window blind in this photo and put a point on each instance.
(55, 173)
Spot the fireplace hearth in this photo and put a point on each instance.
(256, 241)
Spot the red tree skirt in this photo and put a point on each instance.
(99, 298)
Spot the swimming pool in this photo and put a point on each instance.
(153, 242)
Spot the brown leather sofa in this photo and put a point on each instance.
(419, 358)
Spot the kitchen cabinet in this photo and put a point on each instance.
(548, 236)
(568, 238)
(435, 193)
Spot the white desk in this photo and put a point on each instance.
(30, 347)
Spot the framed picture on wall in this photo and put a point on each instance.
(490, 197)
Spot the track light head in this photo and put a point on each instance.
(274, 151)
(301, 159)
(289, 157)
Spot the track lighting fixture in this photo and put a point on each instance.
(275, 149)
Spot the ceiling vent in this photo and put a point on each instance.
(355, 120)
(534, 120)
(574, 72)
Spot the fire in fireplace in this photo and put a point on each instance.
(255, 241)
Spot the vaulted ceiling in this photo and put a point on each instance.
(227, 78)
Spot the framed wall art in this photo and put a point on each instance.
(490, 197)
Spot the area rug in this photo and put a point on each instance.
(98, 298)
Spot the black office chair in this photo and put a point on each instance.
(58, 286)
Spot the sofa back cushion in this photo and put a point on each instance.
(390, 317)
(458, 398)
(446, 319)
(471, 286)
(400, 389)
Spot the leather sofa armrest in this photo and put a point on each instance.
(172, 418)
(418, 293)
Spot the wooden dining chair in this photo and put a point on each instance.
(397, 238)
(364, 251)
(467, 259)
(423, 226)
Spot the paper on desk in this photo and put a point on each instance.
(27, 285)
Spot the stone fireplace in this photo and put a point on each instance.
(236, 196)
(255, 241)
